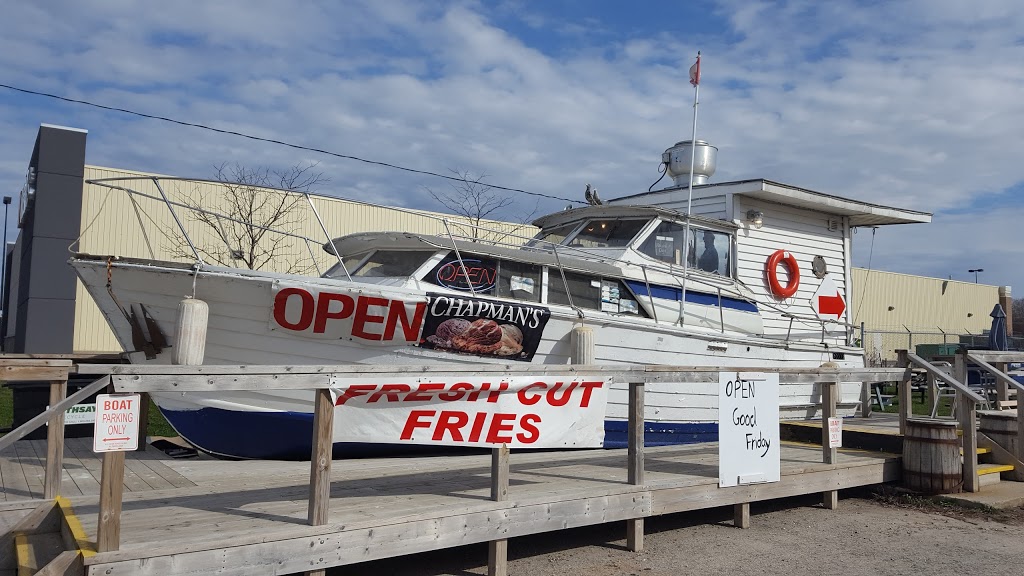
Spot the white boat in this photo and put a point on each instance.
(396, 298)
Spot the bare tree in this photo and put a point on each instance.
(245, 221)
(475, 200)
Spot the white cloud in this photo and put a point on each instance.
(913, 104)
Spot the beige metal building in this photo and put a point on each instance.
(903, 311)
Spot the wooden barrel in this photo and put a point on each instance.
(1000, 426)
(931, 457)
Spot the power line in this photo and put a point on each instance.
(273, 141)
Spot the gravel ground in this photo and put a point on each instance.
(795, 536)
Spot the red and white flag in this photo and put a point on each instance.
(695, 72)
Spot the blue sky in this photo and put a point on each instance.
(914, 104)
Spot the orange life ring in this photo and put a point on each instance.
(773, 278)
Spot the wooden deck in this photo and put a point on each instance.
(205, 516)
(22, 470)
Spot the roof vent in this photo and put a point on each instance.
(678, 160)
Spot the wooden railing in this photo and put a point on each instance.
(994, 363)
(210, 378)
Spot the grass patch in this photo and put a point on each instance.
(158, 425)
(919, 406)
(6, 409)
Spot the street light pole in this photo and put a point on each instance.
(975, 270)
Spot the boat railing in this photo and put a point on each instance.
(455, 229)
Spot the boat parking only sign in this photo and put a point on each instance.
(117, 423)
(748, 428)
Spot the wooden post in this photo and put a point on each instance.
(829, 400)
(966, 414)
(320, 462)
(741, 515)
(904, 391)
(108, 530)
(865, 400)
(55, 442)
(497, 550)
(1002, 390)
(931, 392)
(635, 527)
(1020, 426)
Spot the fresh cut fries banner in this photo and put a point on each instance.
(523, 412)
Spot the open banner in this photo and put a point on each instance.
(522, 412)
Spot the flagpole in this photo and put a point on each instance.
(695, 80)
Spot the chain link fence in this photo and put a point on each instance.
(880, 346)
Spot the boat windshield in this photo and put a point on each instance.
(382, 264)
(553, 235)
(709, 251)
(608, 233)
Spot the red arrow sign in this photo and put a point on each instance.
(831, 304)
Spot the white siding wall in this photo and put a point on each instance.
(805, 234)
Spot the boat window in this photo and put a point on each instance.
(712, 251)
(552, 235)
(351, 261)
(518, 280)
(607, 233)
(592, 293)
(585, 290)
(666, 243)
(391, 263)
(709, 250)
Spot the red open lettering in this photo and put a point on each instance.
(305, 311)
(323, 309)
(363, 317)
(410, 326)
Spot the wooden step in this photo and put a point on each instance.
(990, 473)
(35, 551)
(980, 451)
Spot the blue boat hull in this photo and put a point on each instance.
(288, 435)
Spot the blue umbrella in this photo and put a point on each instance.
(997, 334)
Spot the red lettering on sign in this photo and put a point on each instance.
(410, 326)
(305, 311)
(117, 405)
(415, 421)
(531, 400)
(456, 391)
(493, 396)
(452, 422)
(353, 391)
(363, 317)
(588, 389)
(530, 432)
(419, 396)
(323, 309)
(401, 319)
(555, 400)
(389, 390)
(499, 423)
(478, 426)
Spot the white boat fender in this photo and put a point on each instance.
(190, 340)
